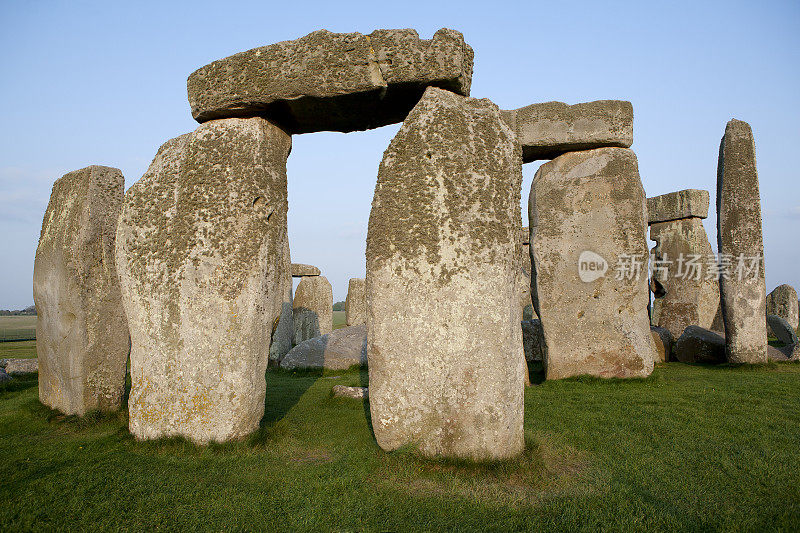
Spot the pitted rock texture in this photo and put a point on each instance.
(332, 81)
(593, 202)
(699, 345)
(691, 294)
(312, 308)
(81, 331)
(550, 129)
(663, 340)
(446, 363)
(338, 350)
(202, 256)
(20, 367)
(355, 305)
(743, 297)
(687, 203)
(283, 327)
(533, 340)
(782, 301)
(357, 393)
(300, 270)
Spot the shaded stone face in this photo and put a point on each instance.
(663, 340)
(739, 237)
(550, 129)
(81, 331)
(300, 270)
(587, 215)
(533, 340)
(332, 81)
(688, 203)
(355, 306)
(338, 350)
(283, 327)
(313, 308)
(446, 364)
(699, 345)
(203, 262)
(692, 289)
(782, 330)
(782, 301)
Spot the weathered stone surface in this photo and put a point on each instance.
(688, 203)
(18, 367)
(533, 340)
(357, 393)
(699, 345)
(355, 305)
(782, 330)
(81, 331)
(782, 301)
(283, 326)
(4, 377)
(201, 251)
(313, 308)
(584, 203)
(300, 270)
(332, 81)
(550, 129)
(739, 237)
(663, 340)
(340, 349)
(691, 290)
(446, 362)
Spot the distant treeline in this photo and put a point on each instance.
(338, 306)
(21, 312)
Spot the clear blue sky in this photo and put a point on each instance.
(105, 83)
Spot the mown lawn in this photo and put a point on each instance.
(17, 327)
(339, 319)
(17, 349)
(688, 448)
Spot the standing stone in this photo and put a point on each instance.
(202, 256)
(312, 308)
(81, 331)
(355, 305)
(283, 327)
(663, 340)
(683, 254)
(782, 301)
(550, 129)
(588, 217)
(332, 81)
(533, 340)
(743, 291)
(446, 363)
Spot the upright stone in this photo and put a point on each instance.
(588, 217)
(81, 331)
(782, 301)
(355, 305)
(283, 326)
(202, 256)
(446, 362)
(743, 291)
(313, 308)
(682, 256)
(332, 81)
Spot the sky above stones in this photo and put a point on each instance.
(105, 83)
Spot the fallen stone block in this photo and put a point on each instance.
(699, 345)
(782, 330)
(338, 350)
(20, 367)
(663, 340)
(782, 301)
(357, 393)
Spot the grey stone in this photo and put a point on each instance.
(202, 257)
(688, 203)
(782, 301)
(313, 308)
(283, 326)
(550, 129)
(782, 330)
(81, 331)
(19, 367)
(588, 208)
(739, 238)
(332, 81)
(357, 393)
(663, 340)
(355, 305)
(3, 376)
(699, 345)
(691, 295)
(300, 270)
(338, 350)
(533, 340)
(446, 362)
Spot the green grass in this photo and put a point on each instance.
(17, 327)
(689, 448)
(339, 319)
(17, 349)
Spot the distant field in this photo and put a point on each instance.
(17, 350)
(339, 319)
(17, 328)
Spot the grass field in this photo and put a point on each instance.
(339, 319)
(690, 447)
(17, 328)
(17, 349)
